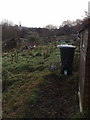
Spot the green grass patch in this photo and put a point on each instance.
(24, 78)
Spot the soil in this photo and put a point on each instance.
(58, 98)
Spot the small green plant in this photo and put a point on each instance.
(84, 114)
(32, 98)
(23, 54)
(46, 54)
(40, 67)
(38, 54)
(31, 54)
(6, 79)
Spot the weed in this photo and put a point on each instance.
(33, 96)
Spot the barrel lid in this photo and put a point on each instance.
(66, 46)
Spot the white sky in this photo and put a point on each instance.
(39, 13)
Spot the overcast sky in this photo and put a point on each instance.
(39, 13)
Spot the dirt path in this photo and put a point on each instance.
(57, 99)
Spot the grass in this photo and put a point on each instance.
(30, 86)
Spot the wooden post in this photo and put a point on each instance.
(84, 83)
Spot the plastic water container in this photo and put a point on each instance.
(67, 56)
